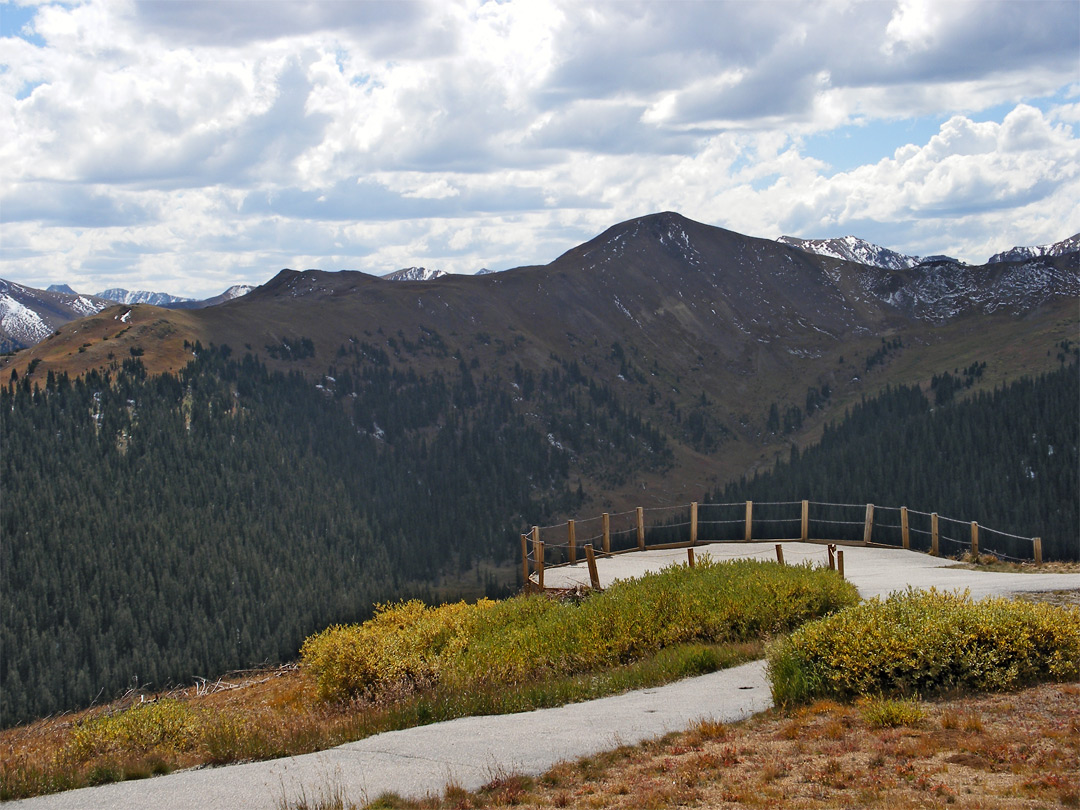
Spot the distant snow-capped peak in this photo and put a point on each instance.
(414, 274)
(157, 299)
(236, 291)
(1020, 254)
(853, 249)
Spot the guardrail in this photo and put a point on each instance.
(807, 521)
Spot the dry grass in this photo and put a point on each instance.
(991, 752)
(988, 562)
(263, 715)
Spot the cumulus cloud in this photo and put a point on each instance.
(196, 144)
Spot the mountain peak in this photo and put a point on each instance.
(1021, 254)
(157, 299)
(414, 274)
(853, 249)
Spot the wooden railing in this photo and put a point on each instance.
(817, 522)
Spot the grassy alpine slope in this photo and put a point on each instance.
(413, 664)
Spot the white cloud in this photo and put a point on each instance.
(182, 143)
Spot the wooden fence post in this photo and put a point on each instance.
(640, 529)
(905, 535)
(1036, 547)
(594, 576)
(524, 560)
(840, 563)
(690, 557)
(571, 540)
(868, 529)
(749, 520)
(538, 558)
(607, 533)
(934, 534)
(974, 538)
(693, 524)
(779, 553)
(805, 521)
(832, 557)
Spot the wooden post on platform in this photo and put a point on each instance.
(779, 553)
(640, 529)
(905, 533)
(805, 521)
(934, 534)
(594, 576)
(571, 540)
(693, 525)
(538, 558)
(749, 520)
(690, 557)
(974, 539)
(840, 563)
(832, 557)
(868, 528)
(1036, 547)
(607, 533)
(524, 559)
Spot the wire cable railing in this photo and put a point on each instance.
(687, 525)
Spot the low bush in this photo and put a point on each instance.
(167, 725)
(926, 642)
(525, 638)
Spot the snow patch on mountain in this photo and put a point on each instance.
(414, 274)
(1020, 254)
(21, 322)
(157, 299)
(853, 249)
(237, 291)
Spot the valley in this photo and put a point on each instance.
(192, 490)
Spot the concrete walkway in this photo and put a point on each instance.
(874, 571)
(473, 751)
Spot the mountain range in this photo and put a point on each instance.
(698, 329)
(190, 491)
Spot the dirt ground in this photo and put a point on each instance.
(993, 752)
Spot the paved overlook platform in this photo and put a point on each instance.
(472, 751)
(873, 570)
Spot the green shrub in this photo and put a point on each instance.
(167, 725)
(524, 638)
(924, 642)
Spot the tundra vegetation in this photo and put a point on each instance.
(413, 664)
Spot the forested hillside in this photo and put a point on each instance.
(159, 528)
(1007, 458)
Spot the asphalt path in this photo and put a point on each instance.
(473, 751)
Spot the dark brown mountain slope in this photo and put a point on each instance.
(675, 316)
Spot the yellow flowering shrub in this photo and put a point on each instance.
(513, 641)
(166, 725)
(921, 642)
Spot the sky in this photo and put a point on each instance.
(187, 146)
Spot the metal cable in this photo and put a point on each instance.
(1003, 534)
